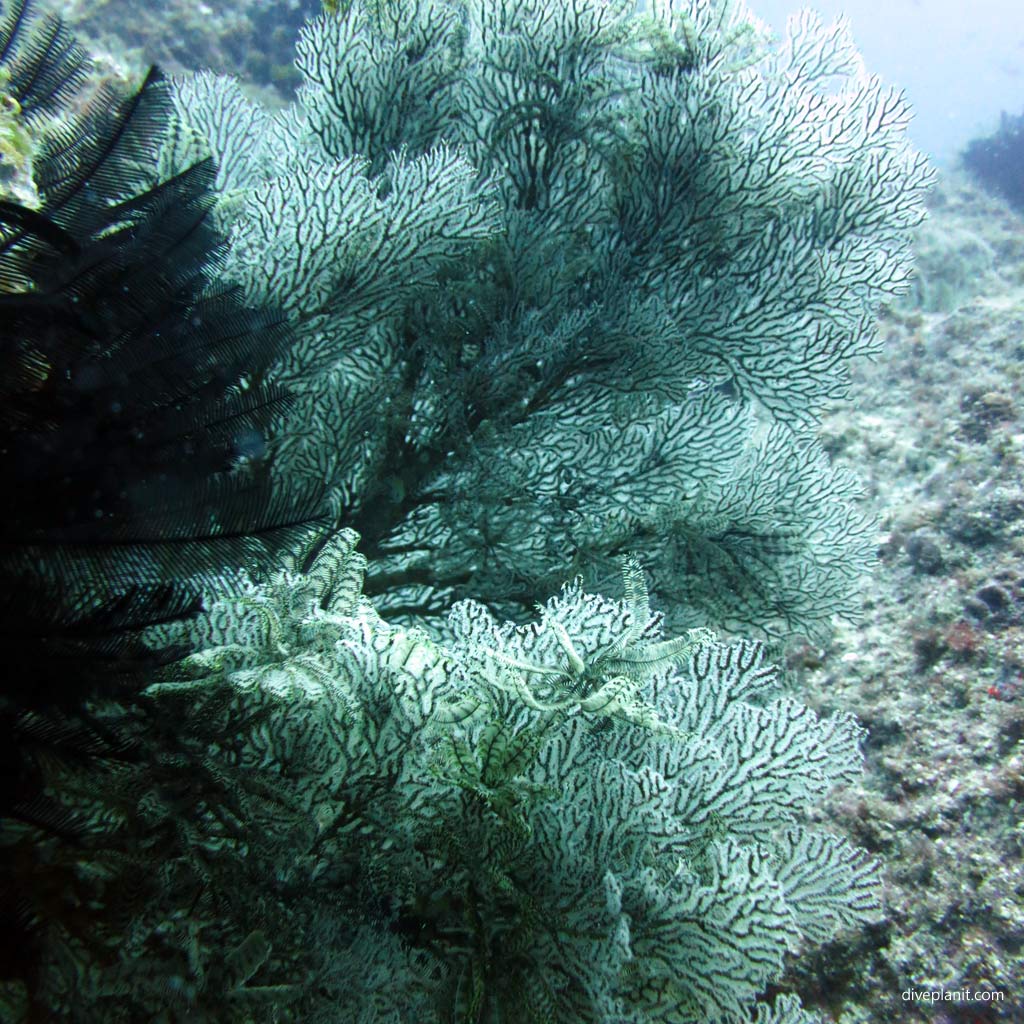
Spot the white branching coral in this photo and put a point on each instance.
(573, 820)
(575, 280)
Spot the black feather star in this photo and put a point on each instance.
(135, 440)
(134, 399)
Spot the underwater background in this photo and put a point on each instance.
(932, 663)
(960, 64)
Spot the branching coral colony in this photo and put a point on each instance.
(573, 283)
(564, 288)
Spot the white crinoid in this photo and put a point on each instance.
(585, 653)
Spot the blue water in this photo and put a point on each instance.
(960, 63)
